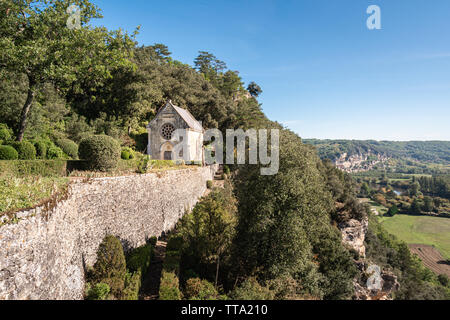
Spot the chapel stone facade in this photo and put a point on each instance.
(162, 137)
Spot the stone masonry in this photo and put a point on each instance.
(44, 255)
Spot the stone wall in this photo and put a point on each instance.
(43, 255)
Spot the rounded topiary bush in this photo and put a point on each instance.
(54, 153)
(25, 149)
(8, 153)
(101, 152)
(69, 147)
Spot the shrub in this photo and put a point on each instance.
(68, 147)
(226, 170)
(110, 267)
(197, 289)
(444, 280)
(132, 286)
(139, 259)
(209, 184)
(56, 168)
(250, 289)
(41, 149)
(127, 154)
(54, 153)
(153, 241)
(169, 287)
(99, 292)
(5, 133)
(8, 153)
(102, 152)
(25, 149)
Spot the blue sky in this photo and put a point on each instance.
(324, 74)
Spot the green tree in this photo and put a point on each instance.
(393, 210)
(428, 204)
(416, 206)
(207, 64)
(110, 267)
(414, 189)
(254, 89)
(37, 43)
(209, 229)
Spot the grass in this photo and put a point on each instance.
(425, 230)
(25, 184)
(26, 192)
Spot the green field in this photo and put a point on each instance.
(420, 230)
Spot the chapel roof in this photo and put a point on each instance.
(185, 115)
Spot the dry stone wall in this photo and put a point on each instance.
(44, 255)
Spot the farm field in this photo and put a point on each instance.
(423, 230)
(431, 258)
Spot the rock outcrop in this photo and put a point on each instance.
(375, 283)
(354, 234)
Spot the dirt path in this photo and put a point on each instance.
(431, 258)
(150, 285)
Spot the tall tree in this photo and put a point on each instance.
(254, 89)
(207, 64)
(38, 40)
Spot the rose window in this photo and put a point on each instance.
(167, 131)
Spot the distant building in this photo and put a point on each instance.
(161, 140)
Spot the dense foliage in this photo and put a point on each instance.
(8, 153)
(115, 276)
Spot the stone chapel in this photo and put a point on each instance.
(161, 139)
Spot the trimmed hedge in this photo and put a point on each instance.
(8, 153)
(44, 168)
(102, 152)
(68, 147)
(25, 149)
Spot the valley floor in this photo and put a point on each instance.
(421, 230)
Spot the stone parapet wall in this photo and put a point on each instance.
(45, 253)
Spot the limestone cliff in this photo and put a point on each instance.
(373, 283)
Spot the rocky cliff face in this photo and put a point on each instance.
(354, 234)
(359, 162)
(373, 283)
